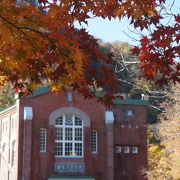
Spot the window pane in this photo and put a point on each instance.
(42, 140)
(130, 113)
(68, 149)
(68, 120)
(78, 121)
(58, 149)
(134, 150)
(59, 120)
(126, 149)
(68, 134)
(78, 149)
(59, 133)
(78, 134)
(118, 149)
(94, 141)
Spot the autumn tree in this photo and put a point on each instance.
(169, 129)
(7, 95)
(39, 41)
(163, 157)
(125, 65)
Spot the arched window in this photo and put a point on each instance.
(13, 155)
(68, 136)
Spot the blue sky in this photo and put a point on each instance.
(116, 30)
(110, 31)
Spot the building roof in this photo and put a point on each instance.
(7, 109)
(38, 92)
(44, 90)
(131, 102)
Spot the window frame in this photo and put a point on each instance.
(126, 150)
(118, 149)
(44, 140)
(72, 141)
(96, 141)
(128, 112)
(134, 150)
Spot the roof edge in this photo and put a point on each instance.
(38, 92)
(8, 109)
(131, 102)
(44, 90)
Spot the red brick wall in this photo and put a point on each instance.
(43, 106)
(130, 132)
(95, 164)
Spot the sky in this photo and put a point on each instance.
(110, 31)
(116, 30)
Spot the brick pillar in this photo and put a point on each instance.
(27, 142)
(109, 119)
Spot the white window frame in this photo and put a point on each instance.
(130, 113)
(43, 140)
(134, 150)
(70, 96)
(73, 141)
(126, 150)
(118, 149)
(94, 141)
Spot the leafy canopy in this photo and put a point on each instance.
(40, 43)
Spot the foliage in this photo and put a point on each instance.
(6, 95)
(159, 51)
(152, 115)
(40, 42)
(124, 65)
(163, 158)
(158, 167)
(170, 130)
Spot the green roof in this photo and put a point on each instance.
(38, 92)
(126, 101)
(131, 102)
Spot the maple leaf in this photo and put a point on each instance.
(39, 41)
(135, 50)
(177, 18)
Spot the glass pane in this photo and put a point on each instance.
(68, 120)
(68, 134)
(78, 121)
(58, 149)
(78, 149)
(68, 149)
(59, 120)
(59, 133)
(78, 134)
(94, 141)
(42, 139)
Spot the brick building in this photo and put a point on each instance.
(53, 137)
